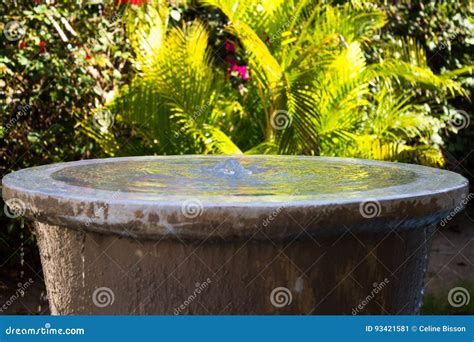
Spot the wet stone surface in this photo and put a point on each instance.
(188, 196)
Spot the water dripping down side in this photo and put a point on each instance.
(83, 261)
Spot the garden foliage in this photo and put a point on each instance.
(287, 77)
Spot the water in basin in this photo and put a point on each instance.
(234, 176)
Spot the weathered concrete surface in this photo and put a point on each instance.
(324, 275)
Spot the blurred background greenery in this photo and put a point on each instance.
(388, 80)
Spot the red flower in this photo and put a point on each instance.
(229, 59)
(22, 45)
(42, 46)
(131, 2)
(88, 57)
(229, 46)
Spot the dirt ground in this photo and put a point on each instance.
(451, 265)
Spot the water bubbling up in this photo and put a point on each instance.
(230, 167)
(242, 176)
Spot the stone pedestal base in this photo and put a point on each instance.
(91, 273)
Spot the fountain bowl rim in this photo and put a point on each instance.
(155, 218)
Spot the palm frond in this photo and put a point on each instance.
(406, 60)
(175, 93)
(311, 88)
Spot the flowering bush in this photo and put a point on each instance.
(57, 64)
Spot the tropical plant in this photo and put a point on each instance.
(304, 83)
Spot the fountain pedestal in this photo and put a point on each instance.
(240, 235)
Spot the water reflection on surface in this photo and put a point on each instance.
(243, 176)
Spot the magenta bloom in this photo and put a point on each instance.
(229, 46)
(241, 70)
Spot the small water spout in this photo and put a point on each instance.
(231, 167)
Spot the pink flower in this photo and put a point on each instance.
(229, 46)
(241, 70)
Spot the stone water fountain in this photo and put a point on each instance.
(234, 234)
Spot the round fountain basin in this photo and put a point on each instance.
(316, 232)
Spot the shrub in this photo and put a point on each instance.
(446, 31)
(57, 64)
